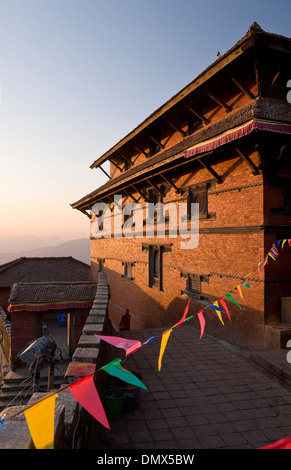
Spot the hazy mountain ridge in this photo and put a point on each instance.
(78, 249)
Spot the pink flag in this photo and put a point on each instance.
(85, 392)
(202, 322)
(130, 345)
(184, 315)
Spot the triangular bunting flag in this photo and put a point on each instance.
(85, 392)
(230, 297)
(184, 315)
(40, 419)
(238, 290)
(115, 369)
(225, 307)
(130, 345)
(217, 310)
(202, 322)
(164, 341)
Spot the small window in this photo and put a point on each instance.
(156, 255)
(199, 196)
(127, 274)
(155, 197)
(193, 287)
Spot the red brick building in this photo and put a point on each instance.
(223, 141)
(35, 303)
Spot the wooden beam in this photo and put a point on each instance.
(241, 87)
(155, 140)
(155, 186)
(140, 151)
(115, 164)
(126, 158)
(183, 134)
(251, 164)
(257, 74)
(218, 101)
(140, 192)
(274, 82)
(178, 190)
(86, 213)
(132, 197)
(104, 172)
(211, 171)
(197, 114)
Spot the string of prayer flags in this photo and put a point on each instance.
(202, 322)
(85, 392)
(40, 419)
(115, 369)
(164, 341)
(130, 345)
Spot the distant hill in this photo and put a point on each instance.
(78, 249)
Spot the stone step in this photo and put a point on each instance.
(13, 387)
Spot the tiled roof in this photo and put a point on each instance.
(48, 269)
(47, 292)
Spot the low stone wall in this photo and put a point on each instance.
(70, 419)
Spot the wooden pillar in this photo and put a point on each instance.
(71, 334)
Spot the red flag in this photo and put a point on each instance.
(225, 307)
(184, 315)
(85, 392)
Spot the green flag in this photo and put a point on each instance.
(115, 368)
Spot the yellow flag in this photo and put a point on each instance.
(40, 419)
(218, 312)
(164, 341)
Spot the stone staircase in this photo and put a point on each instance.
(17, 387)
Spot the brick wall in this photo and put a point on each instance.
(231, 243)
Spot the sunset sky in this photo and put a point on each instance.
(77, 75)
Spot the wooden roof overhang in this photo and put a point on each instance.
(255, 37)
(166, 163)
(167, 160)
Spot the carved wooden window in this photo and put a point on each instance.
(154, 197)
(156, 254)
(198, 195)
(193, 287)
